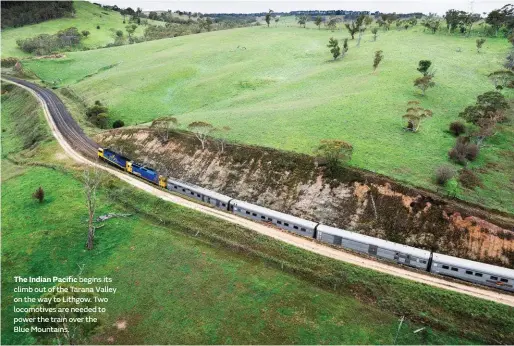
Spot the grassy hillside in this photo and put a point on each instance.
(87, 17)
(175, 287)
(279, 87)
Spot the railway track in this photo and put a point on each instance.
(65, 123)
(84, 150)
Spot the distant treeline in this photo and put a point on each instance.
(19, 13)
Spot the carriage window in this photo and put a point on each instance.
(303, 229)
(479, 275)
(494, 278)
(286, 224)
(279, 222)
(184, 190)
(469, 272)
(248, 212)
(192, 193)
(423, 261)
(455, 269)
(175, 186)
(295, 227)
(254, 214)
(263, 217)
(446, 267)
(223, 204)
(198, 194)
(504, 280)
(270, 219)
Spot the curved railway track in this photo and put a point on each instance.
(84, 150)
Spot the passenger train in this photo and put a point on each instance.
(472, 271)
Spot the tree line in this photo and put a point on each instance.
(20, 13)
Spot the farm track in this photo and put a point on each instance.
(83, 150)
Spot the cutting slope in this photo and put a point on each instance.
(87, 17)
(279, 87)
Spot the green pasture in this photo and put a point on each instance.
(177, 288)
(87, 17)
(279, 87)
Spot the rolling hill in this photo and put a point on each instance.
(87, 17)
(279, 87)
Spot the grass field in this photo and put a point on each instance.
(174, 287)
(87, 17)
(279, 87)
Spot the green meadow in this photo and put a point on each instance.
(87, 17)
(279, 87)
(174, 286)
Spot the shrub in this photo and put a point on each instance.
(457, 128)
(98, 26)
(39, 194)
(9, 62)
(463, 150)
(443, 174)
(452, 187)
(469, 179)
(118, 123)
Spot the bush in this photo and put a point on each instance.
(463, 150)
(457, 128)
(98, 26)
(9, 62)
(443, 174)
(469, 179)
(47, 44)
(452, 187)
(39, 194)
(118, 123)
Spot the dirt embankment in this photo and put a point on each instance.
(351, 199)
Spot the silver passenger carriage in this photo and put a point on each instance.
(215, 199)
(398, 253)
(477, 272)
(288, 222)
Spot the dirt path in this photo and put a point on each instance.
(306, 244)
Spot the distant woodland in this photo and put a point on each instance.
(20, 13)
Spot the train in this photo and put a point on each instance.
(425, 260)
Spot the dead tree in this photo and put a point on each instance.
(221, 136)
(91, 183)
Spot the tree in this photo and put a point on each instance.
(424, 65)
(374, 31)
(334, 152)
(368, 20)
(130, 29)
(333, 44)
(425, 82)
(91, 182)
(345, 47)
(119, 33)
(332, 24)
(59, 313)
(415, 116)
(163, 126)
(153, 15)
(318, 21)
(480, 43)
(302, 20)
(490, 105)
(502, 78)
(453, 19)
(495, 18)
(354, 26)
(268, 17)
(221, 135)
(39, 195)
(468, 20)
(201, 130)
(378, 58)
(85, 33)
(361, 32)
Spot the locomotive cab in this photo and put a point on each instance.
(162, 181)
(100, 152)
